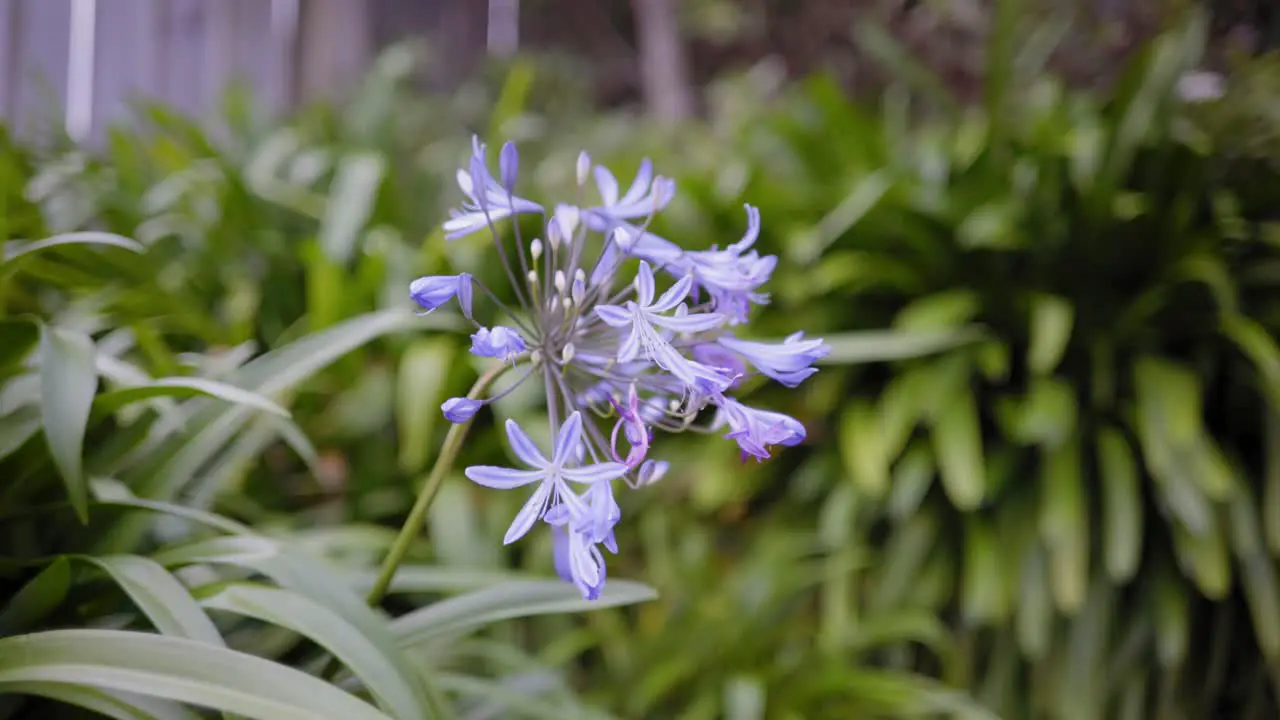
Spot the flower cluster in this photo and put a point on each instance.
(617, 360)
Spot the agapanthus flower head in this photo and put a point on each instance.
(619, 355)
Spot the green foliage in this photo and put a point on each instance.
(1041, 478)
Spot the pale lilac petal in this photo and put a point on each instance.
(607, 185)
(523, 447)
(500, 478)
(569, 438)
(673, 296)
(645, 285)
(600, 472)
(613, 315)
(639, 186)
(700, 322)
(528, 515)
(631, 347)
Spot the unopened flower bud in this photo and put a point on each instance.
(584, 167)
(535, 249)
(567, 353)
(559, 281)
(533, 277)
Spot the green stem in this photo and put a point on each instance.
(418, 514)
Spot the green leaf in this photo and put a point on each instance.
(185, 387)
(68, 381)
(863, 449)
(1172, 616)
(912, 477)
(982, 588)
(1121, 505)
(381, 667)
(867, 192)
(422, 382)
(15, 249)
(1051, 321)
(957, 446)
(1064, 525)
(35, 600)
(1033, 623)
(857, 348)
(941, 311)
(17, 428)
(108, 703)
(17, 337)
(159, 596)
(174, 668)
(1260, 348)
(351, 199)
(1271, 488)
(295, 571)
(509, 601)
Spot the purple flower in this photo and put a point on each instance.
(643, 317)
(646, 196)
(433, 291)
(757, 430)
(488, 200)
(789, 362)
(553, 476)
(604, 345)
(499, 342)
(460, 409)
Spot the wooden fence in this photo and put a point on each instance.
(78, 64)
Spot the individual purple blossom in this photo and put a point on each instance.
(618, 356)
(433, 291)
(488, 200)
(460, 409)
(499, 342)
(757, 430)
(552, 476)
(789, 362)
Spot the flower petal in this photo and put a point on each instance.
(673, 296)
(600, 472)
(613, 315)
(528, 515)
(570, 437)
(500, 478)
(644, 285)
(607, 184)
(523, 447)
(700, 322)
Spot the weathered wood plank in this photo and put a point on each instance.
(127, 66)
(40, 70)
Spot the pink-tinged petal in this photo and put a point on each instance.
(689, 323)
(528, 515)
(644, 285)
(570, 437)
(523, 447)
(500, 478)
(613, 315)
(673, 296)
(600, 472)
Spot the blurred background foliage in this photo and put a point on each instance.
(1042, 477)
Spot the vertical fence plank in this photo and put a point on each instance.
(8, 57)
(335, 47)
(127, 66)
(40, 72)
(181, 48)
